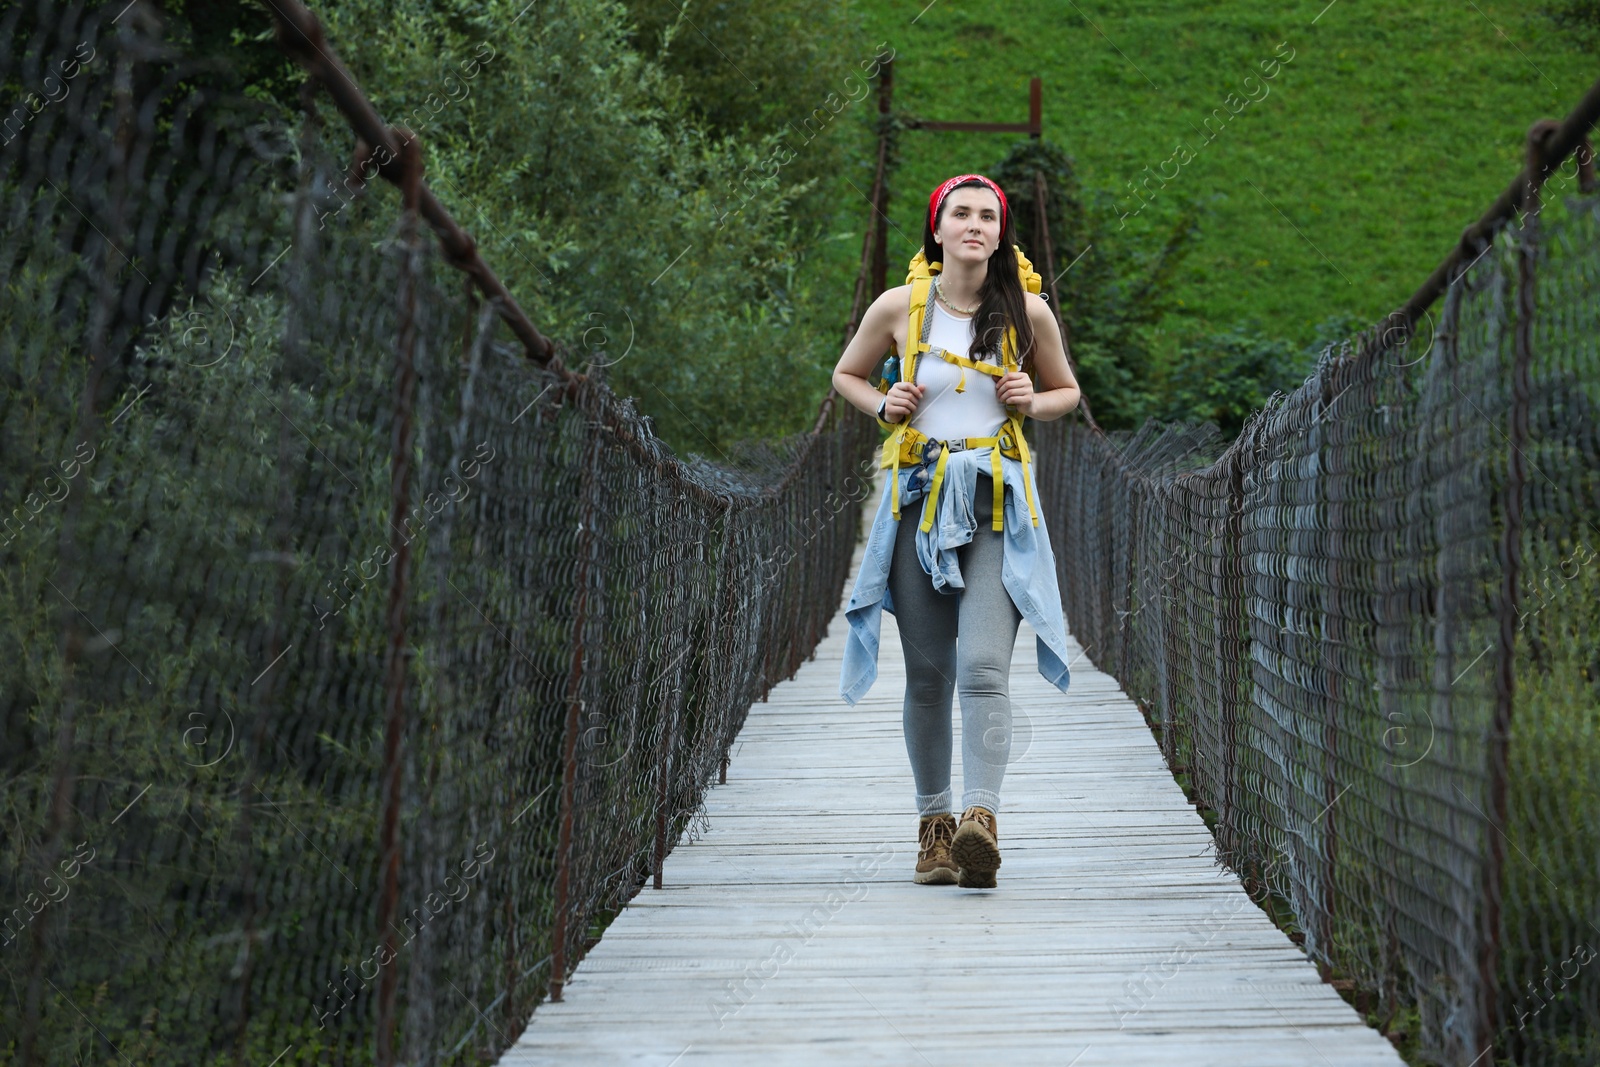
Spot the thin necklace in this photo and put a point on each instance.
(938, 294)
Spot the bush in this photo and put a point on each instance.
(1226, 376)
(1580, 17)
(629, 217)
(1116, 291)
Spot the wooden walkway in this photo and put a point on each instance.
(790, 932)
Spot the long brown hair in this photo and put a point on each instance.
(1000, 299)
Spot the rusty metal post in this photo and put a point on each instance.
(1158, 533)
(1047, 252)
(1236, 646)
(1163, 664)
(513, 955)
(663, 766)
(1499, 739)
(61, 813)
(723, 613)
(867, 273)
(667, 715)
(1333, 641)
(804, 650)
(569, 743)
(880, 252)
(1125, 635)
(394, 683)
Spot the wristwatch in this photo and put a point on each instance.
(882, 404)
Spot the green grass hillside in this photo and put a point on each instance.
(1336, 187)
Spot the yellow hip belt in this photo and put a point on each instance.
(907, 445)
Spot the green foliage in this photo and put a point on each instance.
(1116, 291)
(175, 502)
(641, 207)
(1364, 162)
(1113, 293)
(789, 67)
(1226, 377)
(604, 201)
(1580, 17)
(720, 269)
(256, 65)
(745, 68)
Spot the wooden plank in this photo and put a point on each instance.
(790, 932)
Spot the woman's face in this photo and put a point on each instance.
(969, 225)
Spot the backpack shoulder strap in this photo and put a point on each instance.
(1031, 283)
(916, 343)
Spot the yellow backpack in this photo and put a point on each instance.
(908, 445)
(919, 275)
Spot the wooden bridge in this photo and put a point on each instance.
(790, 932)
(331, 729)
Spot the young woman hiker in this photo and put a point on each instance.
(974, 558)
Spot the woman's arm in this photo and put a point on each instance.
(1058, 389)
(872, 339)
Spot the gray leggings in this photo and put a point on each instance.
(937, 664)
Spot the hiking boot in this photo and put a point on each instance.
(976, 848)
(934, 865)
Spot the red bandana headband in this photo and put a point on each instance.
(938, 196)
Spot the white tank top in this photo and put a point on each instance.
(943, 413)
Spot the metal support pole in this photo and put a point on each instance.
(569, 745)
(1333, 640)
(880, 253)
(405, 384)
(667, 711)
(1499, 739)
(1235, 651)
(1047, 252)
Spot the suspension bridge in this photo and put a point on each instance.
(379, 688)
(788, 929)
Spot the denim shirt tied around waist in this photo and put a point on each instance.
(1028, 569)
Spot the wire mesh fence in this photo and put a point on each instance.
(1368, 632)
(355, 667)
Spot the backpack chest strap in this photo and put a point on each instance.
(906, 445)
